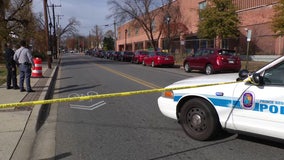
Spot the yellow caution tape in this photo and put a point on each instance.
(98, 96)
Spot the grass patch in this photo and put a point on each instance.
(3, 73)
(253, 65)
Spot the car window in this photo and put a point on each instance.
(161, 54)
(198, 53)
(144, 53)
(227, 52)
(274, 75)
(205, 52)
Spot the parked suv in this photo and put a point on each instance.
(213, 60)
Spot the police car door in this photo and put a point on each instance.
(260, 108)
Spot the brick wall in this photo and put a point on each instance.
(247, 4)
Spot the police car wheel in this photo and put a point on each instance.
(209, 69)
(199, 119)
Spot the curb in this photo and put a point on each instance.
(24, 148)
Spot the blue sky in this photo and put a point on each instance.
(88, 12)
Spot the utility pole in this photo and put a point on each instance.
(125, 43)
(58, 34)
(54, 42)
(97, 36)
(48, 52)
(114, 25)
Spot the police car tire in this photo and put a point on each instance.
(199, 110)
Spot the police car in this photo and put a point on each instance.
(250, 103)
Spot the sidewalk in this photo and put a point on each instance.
(18, 125)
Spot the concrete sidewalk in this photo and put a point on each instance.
(18, 125)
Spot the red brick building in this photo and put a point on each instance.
(255, 15)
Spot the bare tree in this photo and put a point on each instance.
(98, 38)
(109, 33)
(147, 14)
(70, 28)
(16, 18)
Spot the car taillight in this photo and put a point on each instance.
(219, 60)
(238, 60)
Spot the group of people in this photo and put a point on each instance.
(21, 58)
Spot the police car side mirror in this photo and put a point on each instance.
(257, 79)
(243, 74)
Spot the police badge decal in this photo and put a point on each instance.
(248, 101)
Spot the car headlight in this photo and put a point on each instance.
(168, 94)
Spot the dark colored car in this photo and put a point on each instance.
(139, 56)
(99, 53)
(125, 56)
(114, 55)
(156, 58)
(213, 60)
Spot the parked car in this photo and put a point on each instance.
(156, 58)
(139, 56)
(99, 53)
(213, 60)
(107, 55)
(114, 55)
(125, 56)
(252, 103)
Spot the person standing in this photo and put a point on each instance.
(11, 67)
(24, 57)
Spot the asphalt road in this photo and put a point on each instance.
(129, 127)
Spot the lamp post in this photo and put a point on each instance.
(125, 39)
(248, 40)
(49, 53)
(168, 19)
(114, 25)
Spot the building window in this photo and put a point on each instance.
(202, 6)
(136, 31)
(128, 33)
(153, 26)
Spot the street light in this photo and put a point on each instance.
(49, 35)
(168, 19)
(125, 39)
(248, 40)
(49, 53)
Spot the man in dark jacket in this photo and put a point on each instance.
(11, 67)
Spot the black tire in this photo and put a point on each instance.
(199, 119)
(209, 69)
(187, 67)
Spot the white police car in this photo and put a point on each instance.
(254, 104)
